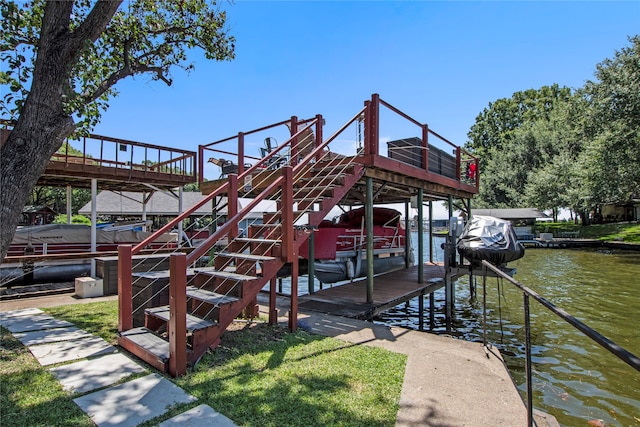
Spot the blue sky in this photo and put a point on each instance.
(440, 62)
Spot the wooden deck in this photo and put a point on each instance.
(389, 290)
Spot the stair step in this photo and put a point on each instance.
(147, 346)
(248, 257)
(228, 275)
(193, 323)
(208, 296)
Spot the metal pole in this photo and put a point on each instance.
(311, 268)
(407, 231)
(69, 213)
(527, 332)
(369, 226)
(144, 211)
(420, 236)
(94, 220)
(179, 213)
(484, 305)
(421, 312)
(430, 231)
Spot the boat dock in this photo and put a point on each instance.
(391, 289)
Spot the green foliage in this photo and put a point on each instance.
(75, 219)
(56, 198)
(143, 37)
(554, 149)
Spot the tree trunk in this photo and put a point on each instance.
(43, 124)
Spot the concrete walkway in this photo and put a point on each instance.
(448, 382)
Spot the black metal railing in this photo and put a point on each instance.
(613, 348)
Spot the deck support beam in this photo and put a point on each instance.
(368, 219)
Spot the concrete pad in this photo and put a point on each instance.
(202, 415)
(50, 335)
(89, 375)
(447, 381)
(66, 351)
(133, 402)
(19, 313)
(33, 323)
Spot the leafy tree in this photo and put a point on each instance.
(496, 124)
(614, 118)
(75, 219)
(56, 198)
(61, 62)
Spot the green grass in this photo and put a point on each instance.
(624, 232)
(29, 394)
(260, 375)
(97, 318)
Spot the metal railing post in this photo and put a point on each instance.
(527, 346)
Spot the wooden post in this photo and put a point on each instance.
(374, 116)
(125, 294)
(368, 219)
(178, 314)
(287, 215)
(425, 147)
(293, 312)
(232, 203)
(294, 144)
(240, 153)
(319, 136)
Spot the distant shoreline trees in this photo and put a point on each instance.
(555, 148)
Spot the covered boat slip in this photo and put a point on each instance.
(390, 289)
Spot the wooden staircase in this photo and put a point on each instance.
(204, 301)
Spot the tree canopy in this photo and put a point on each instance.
(557, 148)
(62, 61)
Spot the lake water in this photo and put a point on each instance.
(574, 379)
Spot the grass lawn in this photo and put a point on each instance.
(625, 232)
(259, 376)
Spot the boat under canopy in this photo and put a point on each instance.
(491, 239)
(340, 246)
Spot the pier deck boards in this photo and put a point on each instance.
(389, 290)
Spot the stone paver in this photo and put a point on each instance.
(67, 351)
(19, 313)
(33, 323)
(202, 415)
(50, 335)
(89, 375)
(133, 402)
